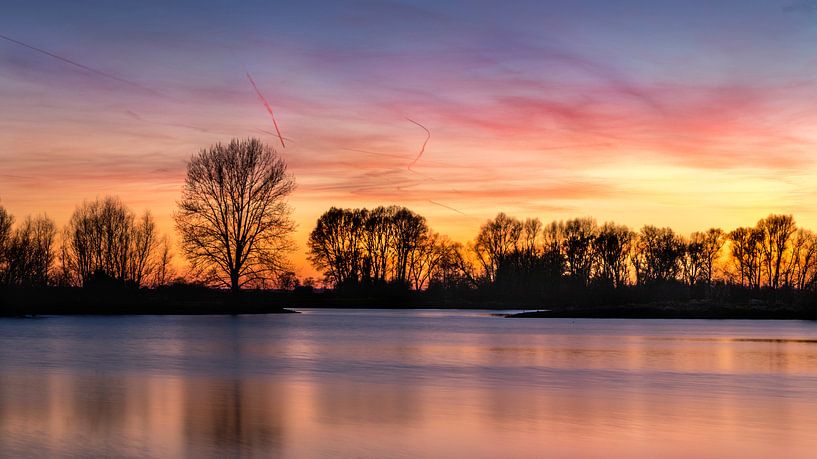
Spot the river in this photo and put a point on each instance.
(406, 383)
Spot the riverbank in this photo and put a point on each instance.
(193, 300)
(187, 301)
(676, 310)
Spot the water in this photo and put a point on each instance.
(368, 383)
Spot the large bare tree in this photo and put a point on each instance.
(233, 216)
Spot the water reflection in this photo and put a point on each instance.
(334, 385)
(237, 416)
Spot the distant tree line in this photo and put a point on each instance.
(394, 245)
(103, 242)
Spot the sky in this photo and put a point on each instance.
(685, 114)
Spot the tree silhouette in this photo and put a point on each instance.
(693, 259)
(104, 237)
(744, 243)
(426, 257)
(30, 252)
(233, 216)
(6, 221)
(775, 231)
(379, 240)
(335, 245)
(658, 255)
(801, 265)
(612, 247)
(711, 241)
(579, 234)
(497, 239)
(360, 246)
(410, 230)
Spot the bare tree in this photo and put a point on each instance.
(612, 248)
(410, 230)
(461, 267)
(531, 234)
(96, 241)
(497, 239)
(104, 237)
(163, 270)
(143, 245)
(336, 245)
(29, 253)
(233, 216)
(426, 257)
(553, 237)
(577, 247)
(379, 240)
(6, 221)
(693, 260)
(776, 232)
(657, 256)
(801, 266)
(711, 241)
(744, 244)
(358, 246)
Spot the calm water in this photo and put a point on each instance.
(366, 383)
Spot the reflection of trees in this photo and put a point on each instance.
(101, 404)
(21, 400)
(235, 417)
(68, 414)
(348, 402)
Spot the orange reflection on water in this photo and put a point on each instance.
(370, 393)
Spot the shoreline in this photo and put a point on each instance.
(624, 313)
(676, 311)
(202, 301)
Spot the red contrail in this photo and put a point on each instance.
(81, 66)
(269, 109)
(423, 148)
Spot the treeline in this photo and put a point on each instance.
(385, 245)
(513, 257)
(393, 247)
(104, 242)
(773, 254)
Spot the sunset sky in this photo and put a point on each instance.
(693, 115)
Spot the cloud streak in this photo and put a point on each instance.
(81, 66)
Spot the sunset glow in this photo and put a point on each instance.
(689, 116)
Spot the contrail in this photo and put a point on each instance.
(82, 66)
(387, 155)
(138, 117)
(423, 148)
(448, 207)
(272, 133)
(269, 109)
